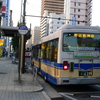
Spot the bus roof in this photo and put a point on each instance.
(66, 26)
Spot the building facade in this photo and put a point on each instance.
(54, 24)
(79, 10)
(35, 36)
(4, 20)
(76, 12)
(51, 8)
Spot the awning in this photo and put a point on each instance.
(9, 31)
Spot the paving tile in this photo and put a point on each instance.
(12, 89)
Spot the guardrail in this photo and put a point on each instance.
(33, 71)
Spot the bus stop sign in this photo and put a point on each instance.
(23, 29)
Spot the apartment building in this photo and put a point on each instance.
(79, 10)
(54, 24)
(35, 32)
(73, 12)
(53, 6)
(50, 8)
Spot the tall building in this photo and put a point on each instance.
(48, 7)
(0, 11)
(80, 10)
(5, 20)
(54, 24)
(53, 6)
(35, 36)
(10, 19)
(76, 12)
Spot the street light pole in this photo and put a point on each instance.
(23, 38)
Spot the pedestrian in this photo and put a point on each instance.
(6, 54)
(3, 54)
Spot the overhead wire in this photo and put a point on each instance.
(32, 6)
(50, 17)
(56, 18)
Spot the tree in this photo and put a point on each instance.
(15, 40)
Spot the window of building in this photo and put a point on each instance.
(78, 16)
(79, 4)
(74, 3)
(62, 22)
(78, 22)
(51, 27)
(51, 22)
(78, 10)
(74, 10)
(85, 15)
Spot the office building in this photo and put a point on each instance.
(51, 8)
(73, 12)
(79, 10)
(35, 36)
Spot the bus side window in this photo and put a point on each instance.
(39, 51)
(43, 51)
(52, 50)
(55, 52)
(47, 50)
(36, 52)
(33, 51)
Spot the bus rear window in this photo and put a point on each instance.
(71, 41)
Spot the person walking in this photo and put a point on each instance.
(6, 54)
(3, 54)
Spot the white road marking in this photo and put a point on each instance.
(65, 95)
(95, 96)
(97, 85)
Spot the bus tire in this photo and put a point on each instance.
(45, 78)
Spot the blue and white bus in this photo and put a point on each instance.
(71, 55)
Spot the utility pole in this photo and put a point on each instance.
(24, 11)
(22, 30)
(23, 37)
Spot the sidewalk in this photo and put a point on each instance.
(12, 89)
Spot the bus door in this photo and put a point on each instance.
(86, 67)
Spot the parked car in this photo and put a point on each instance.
(27, 54)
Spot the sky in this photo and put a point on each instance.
(34, 8)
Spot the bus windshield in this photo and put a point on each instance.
(71, 41)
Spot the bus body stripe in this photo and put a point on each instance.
(76, 65)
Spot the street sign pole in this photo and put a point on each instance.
(22, 30)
